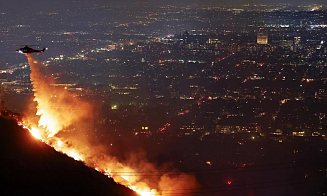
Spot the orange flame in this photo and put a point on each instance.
(36, 133)
(55, 111)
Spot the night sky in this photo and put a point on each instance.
(45, 3)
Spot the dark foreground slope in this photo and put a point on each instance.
(30, 167)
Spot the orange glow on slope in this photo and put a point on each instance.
(57, 113)
(36, 133)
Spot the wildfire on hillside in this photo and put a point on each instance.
(58, 110)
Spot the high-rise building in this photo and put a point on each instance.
(262, 35)
(296, 43)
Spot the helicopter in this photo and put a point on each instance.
(28, 50)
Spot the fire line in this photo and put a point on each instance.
(56, 112)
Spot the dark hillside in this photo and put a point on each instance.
(30, 167)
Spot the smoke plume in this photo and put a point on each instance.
(58, 111)
(55, 107)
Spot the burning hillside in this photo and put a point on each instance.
(30, 167)
(59, 111)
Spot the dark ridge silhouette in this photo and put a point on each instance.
(30, 167)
